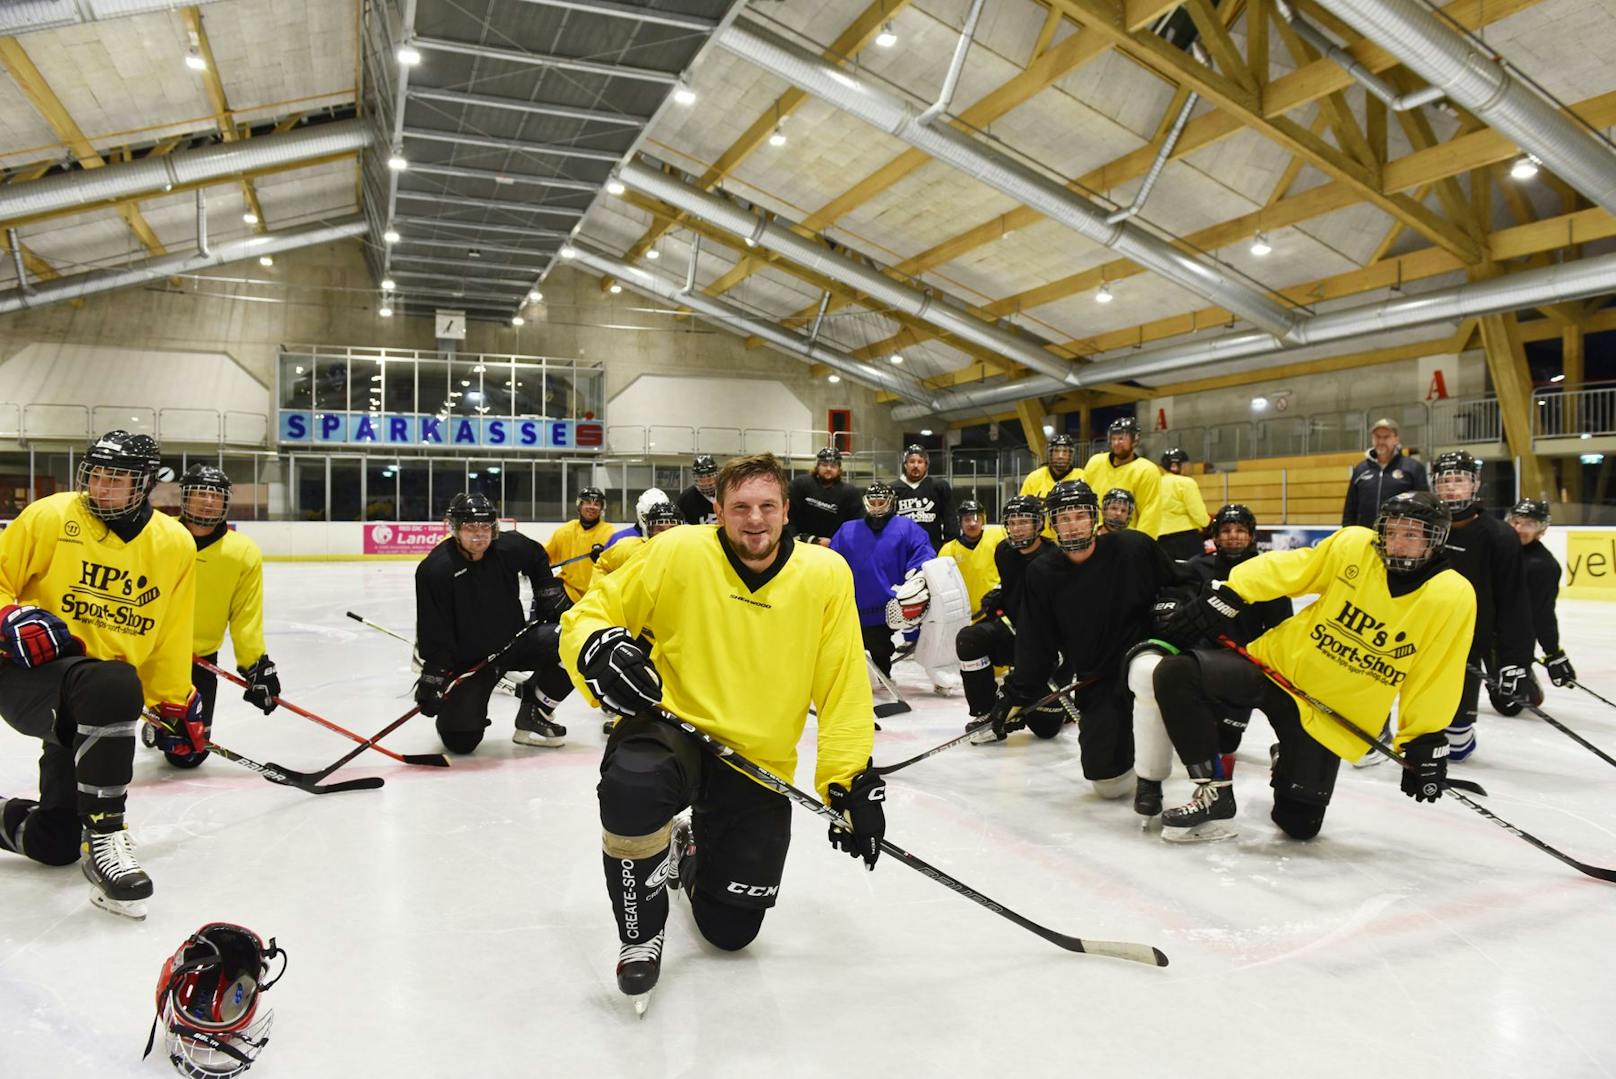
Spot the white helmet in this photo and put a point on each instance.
(649, 498)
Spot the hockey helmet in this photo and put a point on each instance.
(1117, 506)
(883, 492)
(471, 507)
(201, 481)
(661, 517)
(970, 505)
(1411, 530)
(1124, 425)
(704, 465)
(208, 1001)
(592, 494)
(1456, 480)
(1531, 509)
(829, 454)
(1025, 509)
(1229, 544)
(1073, 514)
(1174, 456)
(648, 498)
(115, 456)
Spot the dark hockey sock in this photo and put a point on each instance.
(639, 891)
(980, 688)
(102, 701)
(50, 836)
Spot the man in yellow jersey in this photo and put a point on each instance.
(973, 550)
(748, 632)
(1040, 481)
(1393, 621)
(587, 535)
(97, 599)
(1121, 467)
(229, 592)
(1181, 516)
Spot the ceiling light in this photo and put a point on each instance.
(1260, 245)
(390, 236)
(1259, 404)
(683, 94)
(535, 296)
(249, 218)
(1558, 378)
(265, 260)
(749, 241)
(887, 37)
(517, 320)
(895, 358)
(388, 284)
(465, 382)
(300, 370)
(385, 311)
(925, 432)
(396, 162)
(407, 56)
(194, 61)
(1524, 168)
(568, 252)
(1049, 429)
(473, 253)
(779, 136)
(1104, 295)
(614, 186)
(615, 289)
(834, 378)
(653, 254)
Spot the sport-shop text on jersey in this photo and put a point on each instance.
(109, 598)
(1357, 639)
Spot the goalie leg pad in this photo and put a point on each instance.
(1152, 749)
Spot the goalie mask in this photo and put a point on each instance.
(207, 1001)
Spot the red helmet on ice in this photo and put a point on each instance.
(207, 1001)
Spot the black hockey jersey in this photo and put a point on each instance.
(1012, 566)
(930, 504)
(466, 610)
(1542, 589)
(696, 507)
(818, 509)
(1487, 552)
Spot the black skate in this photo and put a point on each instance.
(108, 861)
(1198, 820)
(1147, 799)
(535, 727)
(682, 853)
(638, 967)
(985, 734)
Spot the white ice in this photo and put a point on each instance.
(456, 923)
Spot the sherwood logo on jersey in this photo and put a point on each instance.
(109, 598)
(1357, 639)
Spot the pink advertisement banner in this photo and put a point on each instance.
(390, 538)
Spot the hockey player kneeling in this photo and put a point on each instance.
(1392, 622)
(729, 609)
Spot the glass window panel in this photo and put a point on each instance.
(53, 472)
(558, 402)
(308, 488)
(331, 384)
(398, 386)
(297, 381)
(413, 477)
(248, 498)
(365, 381)
(16, 481)
(345, 488)
(548, 501)
(488, 478)
(519, 490)
(466, 389)
(432, 386)
(448, 480)
(527, 384)
(381, 489)
(591, 399)
(498, 388)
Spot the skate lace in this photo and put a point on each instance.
(649, 952)
(1206, 794)
(114, 854)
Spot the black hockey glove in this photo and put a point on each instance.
(992, 604)
(619, 672)
(1006, 714)
(861, 807)
(1512, 682)
(263, 684)
(1427, 773)
(429, 689)
(596, 551)
(550, 604)
(1206, 617)
(1561, 673)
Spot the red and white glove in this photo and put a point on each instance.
(187, 733)
(909, 601)
(32, 636)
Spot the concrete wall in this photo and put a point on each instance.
(326, 296)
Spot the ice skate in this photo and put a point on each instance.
(638, 967)
(534, 727)
(120, 885)
(1147, 801)
(1198, 820)
(1372, 758)
(987, 734)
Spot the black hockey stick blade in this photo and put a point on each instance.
(1136, 953)
(305, 781)
(887, 709)
(1597, 872)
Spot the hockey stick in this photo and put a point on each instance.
(1137, 953)
(1492, 687)
(504, 683)
(574, 558)
(407, 716)
(428, 760)
(895, 707)
(1451, 786)
(1059, 695)
(273, 772)
(1582, 687)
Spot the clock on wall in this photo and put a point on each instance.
(451, 325)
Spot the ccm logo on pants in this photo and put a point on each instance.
(758, 891)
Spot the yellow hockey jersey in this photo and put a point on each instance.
(1139, 477)
(1040, 481)
(742, 655)
(1181, 506)
(571, 540)
(134, 602)
(977, 566)
(230, 592)
(1358, 647)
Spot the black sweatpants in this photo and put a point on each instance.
(463, 717)
(1105, 737)
(878, 642)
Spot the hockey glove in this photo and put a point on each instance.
(992, 603)
(861, 806)
(619, 672)
(1561, 673)
(184, 737)
(263, 684)
(908, 605)
(32, 636)
(596, 551)
(1512, 682)
(550, 604)
(1427, 773)
(1206, 617)
(429, 689)
(1006, 714)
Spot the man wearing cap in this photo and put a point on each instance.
(1382, 473)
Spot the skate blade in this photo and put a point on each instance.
(1147, 823)
(532, 738)
(134, 909)
(1211, 832)
(641, 1003)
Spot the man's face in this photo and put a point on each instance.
(828, 471)
(1117, 513)
(753, 515)
(1455, 487)
(589, 511)
(204, 504)
(1121, 443)
(1074, 524)
(1232, 538)
(707, 485)
(473, 540)
(971, 526)
(1022, 527)
(1385, 441)
(1060, 459)
(659, 527)
(1405, 538)
(111, 488)
(914, 468)
(876, 506)
(1175, 466)
(1526, 528)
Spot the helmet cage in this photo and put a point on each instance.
(1434, 534)
(207, 1000)
(1073, 541)
(191, 484)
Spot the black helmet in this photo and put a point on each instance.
(1420, 508)
(1457, 461)
(970, 505)
(1118, 496)
(592, 494)
(1026, 506)
(663, 513)
(1072, 495)
(471, 507)
(119, 454)
(915, 449)
(1532, 509)
(201, 477)
(1235, 513)
(1174, 456)
(704, 465)
(1126, 425)
(878, 490)
(830, 453)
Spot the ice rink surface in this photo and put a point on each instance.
(456, 923)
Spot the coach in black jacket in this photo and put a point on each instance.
(1382, 473)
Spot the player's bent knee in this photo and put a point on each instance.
(636, 846)
(1116, 786)
(1046, 726)
(101, 693)
(1299, 820)
(724, 925)
(460, 741)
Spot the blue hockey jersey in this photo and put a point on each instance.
(880, 561)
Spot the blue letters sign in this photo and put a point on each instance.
(455, 432)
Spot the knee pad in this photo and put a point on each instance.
(639, 788)
(1152, 749)
(1116, 786)
(725, 926)
(461, 741)
(1297, 819)
(1045, 724)
(102, 694)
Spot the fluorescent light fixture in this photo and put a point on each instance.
(385, 311)
(1260, 245)
(390, 236)
(887, 37)
(614, 186)
(925, 432)
(1104, 295)
(1592, 458)
(517, 320)
(535, 296)
(388, 284)
(396, 162)
(568, 252)
(1558, 378)
(408, 56)
(1524, 168)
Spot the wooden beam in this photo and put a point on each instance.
(1258, 13)
(1333, 106)
(1512, 383)
(1031, 414)
(222, 114)
(1573, 355)
(1215, 37)
(1046, 34)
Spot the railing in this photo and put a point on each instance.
(1466, 421)
(1588, 410)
